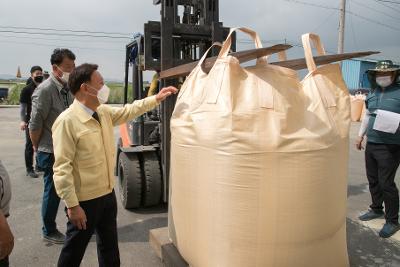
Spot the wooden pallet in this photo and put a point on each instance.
(242, 56)
(158, 238)
(171, 257)
(164, 248)
(247, 55)
(300, 63)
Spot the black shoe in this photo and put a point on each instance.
(32, 174)
(370, 215)
(389, 229)
(55, 238)
(38, 169)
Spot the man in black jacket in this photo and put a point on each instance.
(26, 107)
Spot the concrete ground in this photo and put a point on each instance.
(25, 219)
(364, 245)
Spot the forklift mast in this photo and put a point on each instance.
(186, 30)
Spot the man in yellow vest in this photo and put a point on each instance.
(84, 152)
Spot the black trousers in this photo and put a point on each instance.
(382, 161)
(4, 262)
(101, 216)
(28, 151)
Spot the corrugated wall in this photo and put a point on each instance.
(365, 65)
(351, 73)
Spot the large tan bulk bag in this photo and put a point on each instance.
(357, 104)
(259, 165)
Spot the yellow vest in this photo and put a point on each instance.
(84, 149)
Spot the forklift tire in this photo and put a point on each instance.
(116, 168)
(119, 145)
(130, 180)
(152, 182)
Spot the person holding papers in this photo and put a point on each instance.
(382, 151)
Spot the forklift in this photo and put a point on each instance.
(186, 30)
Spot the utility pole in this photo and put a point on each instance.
(341, 26)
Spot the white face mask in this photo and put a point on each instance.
(102, 94)
(65, 75)
(384, 81)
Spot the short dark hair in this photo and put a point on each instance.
(59, 54)
(35, 68)
(80, 75)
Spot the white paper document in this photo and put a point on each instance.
(387, 121)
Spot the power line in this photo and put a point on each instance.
(386, 5)
(325, 21)
(246, 41)
(63, 40)
(62, 30)
(292, 43)
(312, 4)
(374, 21)
(352, 28)
(388, 1)
(56, 45)
(349, 12)
(65, 34)
(373, 9)
(298, 45)
(301, 46)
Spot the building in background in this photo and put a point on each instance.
(355, 73)
(18, 73)
(4, 90)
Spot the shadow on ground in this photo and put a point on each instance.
(139, 231)
(354, 190)
(366, 248)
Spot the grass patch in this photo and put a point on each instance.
(14, 92)
(116, 93)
